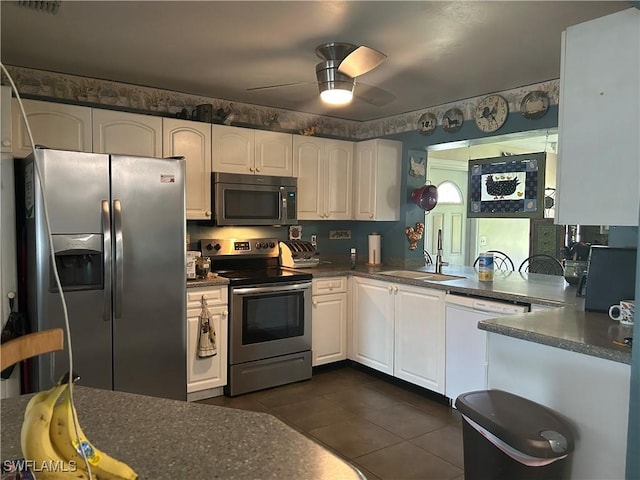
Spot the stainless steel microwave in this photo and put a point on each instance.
(254, 199)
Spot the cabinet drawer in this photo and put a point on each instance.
(322, 286)
(213, 296)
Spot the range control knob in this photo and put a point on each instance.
(215, 247)
(258, 245)
(272, 245)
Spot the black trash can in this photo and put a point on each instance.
(507, 437)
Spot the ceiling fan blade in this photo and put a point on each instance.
(281, 85)
(373, 95)
(362, 60)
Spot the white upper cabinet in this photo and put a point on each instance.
(191, 140)
(599, 121)
(127, 133)
(5, 119)
(324, 170)
(53, 125)
(233, 149)
(274, 153)
(377, 180)
(248, 151)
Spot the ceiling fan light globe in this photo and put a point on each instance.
(336, 96)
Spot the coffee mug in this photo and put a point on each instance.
(623, 312)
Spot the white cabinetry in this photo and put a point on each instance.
(53, 125)
(373, 324)
(243, 150)
(324, 169)
(399, 330)
(191, 140)
(599, 121)
(419, 355)
(127, 133)
(377, 180)
(206, 376)
(329, 320)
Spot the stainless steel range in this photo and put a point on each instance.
(269, 314)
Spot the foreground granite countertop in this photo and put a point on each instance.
(169, 439)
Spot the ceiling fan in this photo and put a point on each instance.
(336, 74)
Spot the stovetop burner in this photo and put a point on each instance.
(248, 261)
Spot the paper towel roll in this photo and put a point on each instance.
(375, 255)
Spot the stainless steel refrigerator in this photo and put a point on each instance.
(118, 230)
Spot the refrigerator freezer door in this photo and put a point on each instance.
(75, 187)
(149, 287)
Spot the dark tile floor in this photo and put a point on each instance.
(388, 429)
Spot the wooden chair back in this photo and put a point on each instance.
(30, 345)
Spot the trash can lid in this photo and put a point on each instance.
(524, 425)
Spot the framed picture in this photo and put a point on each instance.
(509, 186)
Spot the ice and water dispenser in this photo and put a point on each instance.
(79, 260)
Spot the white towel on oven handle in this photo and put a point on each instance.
(206, 333)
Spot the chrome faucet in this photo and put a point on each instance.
(439, 262)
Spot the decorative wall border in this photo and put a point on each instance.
(107, 94)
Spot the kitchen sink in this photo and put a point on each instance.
(440, 277)
(407, 274)
(426, 276)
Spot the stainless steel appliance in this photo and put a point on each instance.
(298, 254)
(611, 277)
(269, 314)
(254, 199)
(118, 230)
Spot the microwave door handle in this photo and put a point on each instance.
(106, 249)
(119, 274)
(283, 206)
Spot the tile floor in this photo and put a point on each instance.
(388, 429)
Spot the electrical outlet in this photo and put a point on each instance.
(313, 240)
(483, 240)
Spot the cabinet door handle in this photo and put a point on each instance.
(395, 289)
(371, 215)
(315, 303)
(251, 169)
(257, 169)
(225, 313)
(390, 288)
(207, 213)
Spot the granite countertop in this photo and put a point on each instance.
(167, 439)
(565, 325)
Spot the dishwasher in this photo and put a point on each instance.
(466, 344)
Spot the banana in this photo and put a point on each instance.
(34, 436)
(63, 437)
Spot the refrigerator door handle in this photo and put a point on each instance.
(119, 274)
(106, 249)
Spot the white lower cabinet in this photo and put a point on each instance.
(329, 320)
(399, 330)
(419, 355)
(206, 376)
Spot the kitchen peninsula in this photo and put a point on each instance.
(168, 439)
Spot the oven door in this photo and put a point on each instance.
(269, 320)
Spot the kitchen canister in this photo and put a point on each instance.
(375, 249)
(485, 267)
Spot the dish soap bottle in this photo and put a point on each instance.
(353, 258)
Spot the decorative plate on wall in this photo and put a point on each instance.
(452, 120)
(427, 123)
(535, 104)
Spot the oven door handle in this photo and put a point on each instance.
(270, 289)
